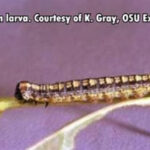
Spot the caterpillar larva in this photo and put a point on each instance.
(86, 90)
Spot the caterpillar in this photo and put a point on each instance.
(106, 89)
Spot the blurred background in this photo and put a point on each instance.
(46, 53)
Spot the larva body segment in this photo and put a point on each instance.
(106, 89)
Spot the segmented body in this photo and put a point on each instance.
(87, 90)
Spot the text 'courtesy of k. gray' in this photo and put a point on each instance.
(77, 18)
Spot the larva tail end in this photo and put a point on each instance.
(18, 94)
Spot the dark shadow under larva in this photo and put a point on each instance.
(103, 89)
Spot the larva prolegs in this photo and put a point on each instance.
(46, 104)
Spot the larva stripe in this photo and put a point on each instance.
(61, 86)
(86, 90)
(76, 84)
(69, 85)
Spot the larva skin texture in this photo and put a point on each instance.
(106, 89)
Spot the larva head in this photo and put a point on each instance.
(23, 91)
